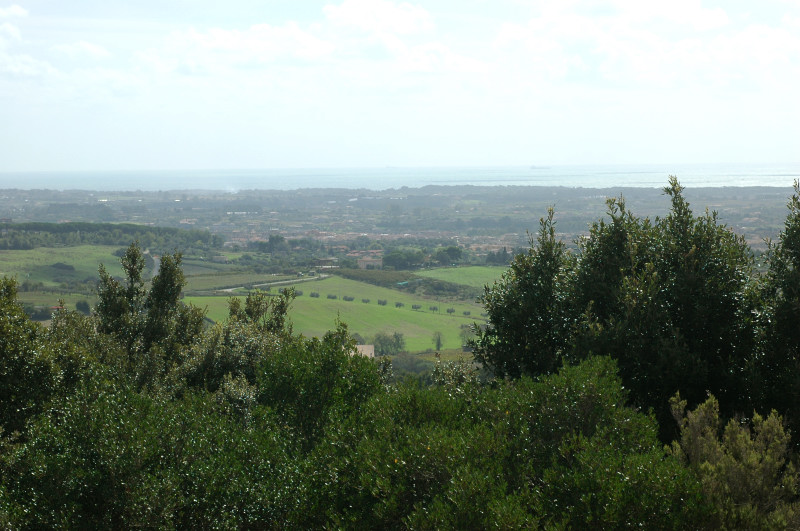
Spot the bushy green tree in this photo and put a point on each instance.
(777, 383)
(403, 259)
(227, 359)
(120, 307)
(612, 251)
(27, 372)
(266, 313)
(387, 344)
(705, 272)
(255, 360)
(37, 363)
(528, 310)
(448, 255)
(311, 383)
(152, 325)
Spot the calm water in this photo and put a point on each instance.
(642, 176)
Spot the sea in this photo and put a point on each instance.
(573, 176)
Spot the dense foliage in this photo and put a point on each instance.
(676, 301)
(137, 416)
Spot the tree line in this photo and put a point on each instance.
(22, 236)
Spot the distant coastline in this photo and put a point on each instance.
(596, 176)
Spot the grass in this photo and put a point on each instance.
(41, 298)
(197, 266)
(472, 276)
(41, 265)
(314, 316)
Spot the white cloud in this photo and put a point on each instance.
(262, 42)
(791, 21)
(13, 11)
(22, 65)
(10, 31)
(380, 16)
(331, 48)
(688, 13)
(220, 49)
(82, 49)
(641, 44)
(13, 63)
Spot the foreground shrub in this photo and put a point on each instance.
(114, 458)
(745, 468)
(562, 451)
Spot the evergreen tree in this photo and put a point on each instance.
(777, 383)
(528, 310)
(152, 325)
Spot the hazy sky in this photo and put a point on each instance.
(184, 84)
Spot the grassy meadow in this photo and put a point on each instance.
(471, 276)
(197, 266)
(313, 316)
(53, 265)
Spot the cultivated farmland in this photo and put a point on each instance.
(313, 316)
(472, 276)
(53, 265)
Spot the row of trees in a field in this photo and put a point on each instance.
(138, 416)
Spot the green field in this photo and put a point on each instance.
(43, 264)
(315, 316)
(44, 298)
(199, 266)
(472, 276)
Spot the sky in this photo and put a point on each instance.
(245, 84)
